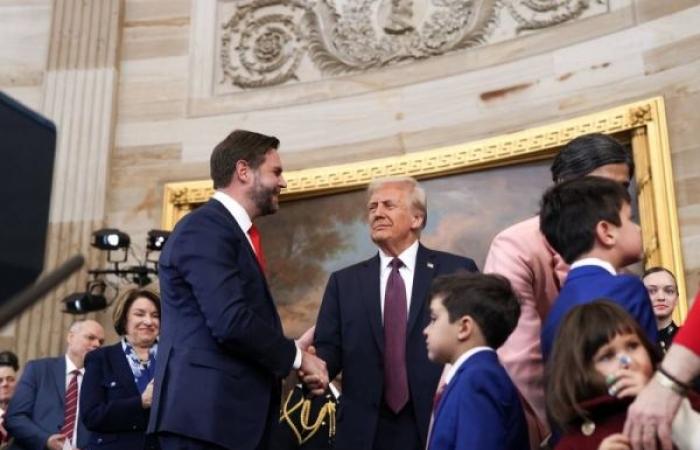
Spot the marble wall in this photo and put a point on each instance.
(174, 100)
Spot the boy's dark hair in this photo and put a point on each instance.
(121, 311)
(240, 145)
(656, 269)
(571, 210)
(9, 359)
(586, 153)
(488, 299)
(571, 375)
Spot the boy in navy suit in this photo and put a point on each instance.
(471, 315)
(588, 221)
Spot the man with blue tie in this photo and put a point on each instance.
(371, 321)
(222, 353)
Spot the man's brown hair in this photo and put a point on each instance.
(240, 145)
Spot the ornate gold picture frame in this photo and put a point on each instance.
(643, 122)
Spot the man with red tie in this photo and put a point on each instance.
(222, 353)
(43, 413)
(371, 322)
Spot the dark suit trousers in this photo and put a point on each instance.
(397, 431)
(171, 441)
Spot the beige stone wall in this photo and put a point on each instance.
(165, 121)
(640, 49)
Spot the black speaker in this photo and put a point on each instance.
(27, 153)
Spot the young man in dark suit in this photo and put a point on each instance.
(222, 353)
(371, 321)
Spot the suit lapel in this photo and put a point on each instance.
(368, 281)
(243, 238)
(424, 273)
(59, 376)
(448, 389)
(122, 370)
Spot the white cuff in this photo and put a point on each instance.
(297, 358)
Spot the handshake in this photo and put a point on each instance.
(313, 371)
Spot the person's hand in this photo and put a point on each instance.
(313, 372)
(627, 383)
(147, 396)
(650, 416)
(3, 431)
(617, 441)
(306, 339)
(55, 442)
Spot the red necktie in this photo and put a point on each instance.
(437, 398)
(395, 318)
(254, 234)
(70, 407)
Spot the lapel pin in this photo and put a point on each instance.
(430, 265)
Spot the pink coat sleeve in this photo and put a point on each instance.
(521, 254)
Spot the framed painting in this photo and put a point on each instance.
(474, 191)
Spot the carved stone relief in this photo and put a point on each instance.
(273, 42)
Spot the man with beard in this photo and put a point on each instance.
(371, 322)
(222, 353)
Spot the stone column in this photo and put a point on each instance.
(79, 95)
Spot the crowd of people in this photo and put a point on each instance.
(555, 345)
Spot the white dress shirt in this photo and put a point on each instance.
(70, 367)
(407, 271)
(462, 359)
(594, 262)
(240, 215)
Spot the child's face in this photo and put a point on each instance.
(629, 237)
(624, 352)
(441, 336)
(662, 292)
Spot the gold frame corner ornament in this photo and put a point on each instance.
(645, 120)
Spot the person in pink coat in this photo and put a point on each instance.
(521, 254)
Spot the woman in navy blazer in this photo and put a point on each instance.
(115, 397)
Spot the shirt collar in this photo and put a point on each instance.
(70, 367)
(594, 262)
(407, 257)
(465, 356)
(236, 210)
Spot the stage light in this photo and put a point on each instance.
(83, 303)
(110, 239)
(93, 299)
(156, 239)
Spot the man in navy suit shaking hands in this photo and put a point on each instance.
(371, 320)
(222, 352)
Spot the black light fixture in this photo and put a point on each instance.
(110, 240)
(93, 299)
(156, 239)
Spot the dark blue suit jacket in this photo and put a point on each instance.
(221, 353)
(110, 402)
(36, 410)
(480, 409)
(350, 338)
(587, 283)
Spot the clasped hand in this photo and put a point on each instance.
(313, 372)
